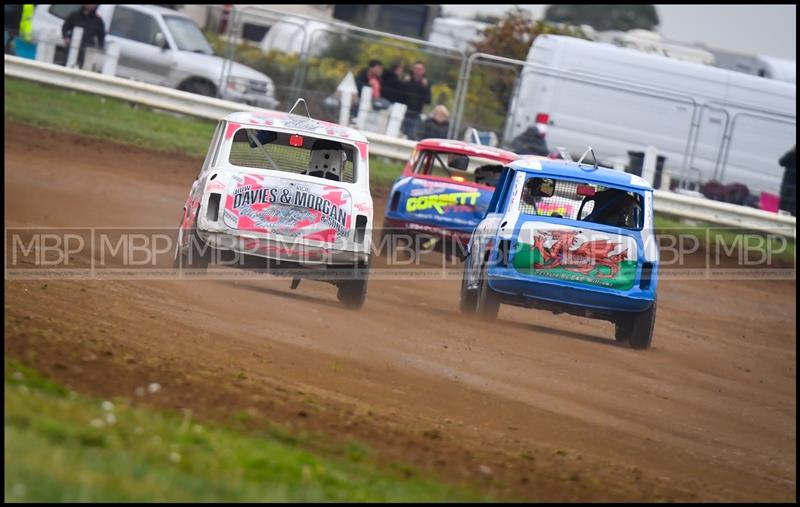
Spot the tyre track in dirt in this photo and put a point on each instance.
(708, 413)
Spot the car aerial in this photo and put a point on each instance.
(285, 194)
(567, 237)
(444, 191)
(164, 47)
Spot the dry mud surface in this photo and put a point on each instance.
(534, 406)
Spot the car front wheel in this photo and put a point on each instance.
(469, 297)
(488, 303)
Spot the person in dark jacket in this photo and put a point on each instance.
(788, 183)
(12, 15)
(530, 142)
(418, 94)
(371, 76)
(393, 88)
(94, 30)
(437, 125)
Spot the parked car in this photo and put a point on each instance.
(567, 237)
(444, 190)
(164, 47)
(286, 194)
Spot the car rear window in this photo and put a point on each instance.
(299, 154)
(575, 200)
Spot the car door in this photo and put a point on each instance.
(140, 57)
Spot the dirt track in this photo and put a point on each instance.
(548, 403)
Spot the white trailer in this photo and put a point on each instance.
(710, 123)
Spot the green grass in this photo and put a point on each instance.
(61, 446)
(90, 115)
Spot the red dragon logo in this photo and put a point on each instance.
(585, 258)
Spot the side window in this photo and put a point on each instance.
(506, 177)
(61, 11)
(213, 148)
(134, 25)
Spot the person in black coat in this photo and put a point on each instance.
(12, 15)
(394, 89)
(418, 94)
(788, 183)
(94, 30)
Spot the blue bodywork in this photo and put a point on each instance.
(447, 205)
(495, 245)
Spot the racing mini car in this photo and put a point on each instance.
(569, 238)
(285, 194)
(443, 192)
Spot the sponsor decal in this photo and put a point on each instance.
(289, 209)
(442, 203)
(570, 254)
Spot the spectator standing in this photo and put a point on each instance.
(437, 125)
(94, 30)
(393, 88)
(788, 183)
(12, 15)
(418, 94)
(371, 76)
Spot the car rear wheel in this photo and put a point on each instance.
(352, 293)
(637, 328)
(195, 255)
(488, 303)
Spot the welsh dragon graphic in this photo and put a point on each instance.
(583, 258)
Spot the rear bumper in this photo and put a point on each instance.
(516, 288)
(303, 253)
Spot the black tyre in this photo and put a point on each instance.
(353, 293)
(637, 328)
(195, 255)
(469, 298)
(200, 87)
(488, 303)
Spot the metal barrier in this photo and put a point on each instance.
(380, 145)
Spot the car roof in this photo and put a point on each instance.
(267, 118)
(465, 148)
(157, 8)
(572, 170)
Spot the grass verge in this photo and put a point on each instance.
(61, 446)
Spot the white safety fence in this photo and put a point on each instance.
(683, 206)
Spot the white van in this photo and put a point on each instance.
(755, 117)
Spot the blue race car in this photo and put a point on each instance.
(444, 191)
(567, 237)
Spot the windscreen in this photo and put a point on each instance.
(460, 168)
(588, 202)
(187, 35)
(293, 153)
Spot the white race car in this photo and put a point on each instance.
(284, 194)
